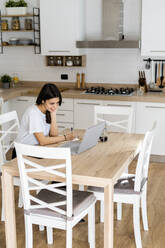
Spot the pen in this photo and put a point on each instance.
(71, 129)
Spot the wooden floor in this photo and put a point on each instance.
(123, 230)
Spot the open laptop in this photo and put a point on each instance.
(89, 140)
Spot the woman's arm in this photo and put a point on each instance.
(53, 125)
(46, 140)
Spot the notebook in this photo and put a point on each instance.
(89, 140)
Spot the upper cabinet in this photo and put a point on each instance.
(153, 36)
(62, 23)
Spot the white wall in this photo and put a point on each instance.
(103, 65)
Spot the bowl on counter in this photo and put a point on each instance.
(13, 41)
(25, 41)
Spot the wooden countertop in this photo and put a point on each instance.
(74, 93)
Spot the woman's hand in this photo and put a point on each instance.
(69, 136)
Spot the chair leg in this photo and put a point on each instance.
(81, 187)
(91, 227)
(69, 235)
(119, 211)
(101, 211)
(20, 200)
(144, 210)
(41, 228)
(28, 232)
(3, 209)
(49, 235)
(136, 223)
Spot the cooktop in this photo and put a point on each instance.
(110, 91)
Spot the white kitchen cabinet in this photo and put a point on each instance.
(62, 23)
(146, 114)
(123, 104)
(21, 103)
(152, 35)
(65, 114)
(84, 112)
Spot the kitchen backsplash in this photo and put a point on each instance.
(102, 66)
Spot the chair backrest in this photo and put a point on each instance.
(141, 174)
(118, 118)
(9, 125)
(62, 169)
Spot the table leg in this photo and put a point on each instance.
(9, 205)
(108, 216)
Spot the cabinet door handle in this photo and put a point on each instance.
(61, 126)
(57, 51)
(83, 103)
(156, 51)
(22, 100)
(116, 105)
(61, 114)
(155, 107)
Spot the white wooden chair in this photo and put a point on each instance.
(132, 188)
(118, 119)
(9, 124)
(53, 206)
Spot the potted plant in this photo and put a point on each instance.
(6, 80)
(16, 7)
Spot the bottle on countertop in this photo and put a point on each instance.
(83, 80)
(78, 80)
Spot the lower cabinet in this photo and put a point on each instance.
(146, 114)
(65, 114)
(21, 103)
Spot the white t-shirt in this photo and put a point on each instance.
(33, 121)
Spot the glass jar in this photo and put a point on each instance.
(69, 61)
(28, 24)
(15, 23)
(77, 61)
(59, 61)
(50, 60)
(4, 25)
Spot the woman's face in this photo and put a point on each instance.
(52, 104)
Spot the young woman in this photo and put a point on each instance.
(38, 124)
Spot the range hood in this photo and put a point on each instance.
(112, 28)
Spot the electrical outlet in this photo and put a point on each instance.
(64, 76)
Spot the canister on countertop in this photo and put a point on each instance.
(78, 80)
(83, 80)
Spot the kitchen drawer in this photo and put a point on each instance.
(67, 104)
(65, 116)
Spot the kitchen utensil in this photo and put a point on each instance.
(164, 74)
(156, 66)
(142, 82)
(158, 79)
(162, 77)
(148, 64)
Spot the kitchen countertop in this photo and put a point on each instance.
(7, 94)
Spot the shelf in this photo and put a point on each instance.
(27, 15)
(21, 30)
(35, 19)
(108, 44)
(19, 45)
(61, 61)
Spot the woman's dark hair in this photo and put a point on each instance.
(47, 92)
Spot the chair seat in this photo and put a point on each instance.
(124, 185)
(81, 201)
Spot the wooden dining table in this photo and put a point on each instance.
(99, 166)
